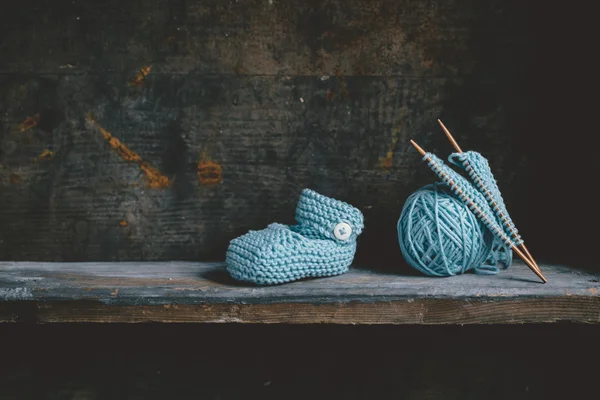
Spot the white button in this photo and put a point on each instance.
(342, 231)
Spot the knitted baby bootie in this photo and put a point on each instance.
(323, 243)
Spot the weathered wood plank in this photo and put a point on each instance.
(256, 37)
(204, 292)
(399, 312)
(244, 104)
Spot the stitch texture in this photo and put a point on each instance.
(481, 174)
(322, 243)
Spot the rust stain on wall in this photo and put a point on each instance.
(209, 172)
(29, 123)
(15, 179)
(155, 178)
(387, 161)
(140, 77)
(46, 155)
(329, 95)
(342, 86)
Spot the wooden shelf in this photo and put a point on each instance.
(194, 292)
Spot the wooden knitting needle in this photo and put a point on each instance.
(494, 204)
(480, 214)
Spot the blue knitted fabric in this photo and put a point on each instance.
(323, 243)
(469, 194)
(440, 236)
(480, 173)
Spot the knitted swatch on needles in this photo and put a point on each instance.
(482, 177)
(470, 195)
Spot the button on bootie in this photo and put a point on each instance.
(323, 243)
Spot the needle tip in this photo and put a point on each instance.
(539, 274)
(419, 149)
(450, 137)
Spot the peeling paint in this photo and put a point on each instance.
(209, 172)
(155, 178)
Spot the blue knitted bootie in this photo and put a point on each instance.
(323, 243)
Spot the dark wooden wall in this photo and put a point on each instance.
(162, 129)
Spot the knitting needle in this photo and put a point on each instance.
(494, 204)
(480, 214)
(476, 208)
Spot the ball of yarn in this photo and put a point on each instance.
(440, 236)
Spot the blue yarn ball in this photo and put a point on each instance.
(440, 236)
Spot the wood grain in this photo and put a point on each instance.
(204, 292)
(240, 105)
